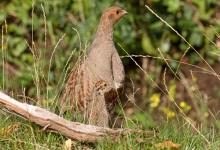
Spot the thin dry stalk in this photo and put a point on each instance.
(167, 24)
(167, 94)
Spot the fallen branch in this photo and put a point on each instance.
(73, 130)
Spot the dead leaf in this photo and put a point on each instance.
(68, 144)
(139, 140)
(129, 111)
(218, 43)
(167, 144)
(7, 131)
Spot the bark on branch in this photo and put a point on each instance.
(73, 130)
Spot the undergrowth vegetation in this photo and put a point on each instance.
(170, 50)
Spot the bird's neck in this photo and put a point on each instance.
(105, 30)
(104, 36)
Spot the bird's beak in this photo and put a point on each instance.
(124, 12)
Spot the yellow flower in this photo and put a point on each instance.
(154, 100)
(185, 106)
(172, 90)
(206, 114)
(194, 78)
(170, 114)
(182, 104)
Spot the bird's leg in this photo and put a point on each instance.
(97, 111)
(102, 104)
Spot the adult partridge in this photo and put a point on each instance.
(91, 89)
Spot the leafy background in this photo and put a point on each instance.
(40, 40)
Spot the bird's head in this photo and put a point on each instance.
(113, 14)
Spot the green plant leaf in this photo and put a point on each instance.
(19, 46)
(147, 45)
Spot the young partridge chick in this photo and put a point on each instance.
(91, 89)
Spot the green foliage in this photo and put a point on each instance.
(144, 33)
(191, 20)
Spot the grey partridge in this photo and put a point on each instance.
(91, 89)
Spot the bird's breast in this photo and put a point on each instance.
(101, 65)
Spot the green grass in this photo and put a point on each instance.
(27, 135)
(42, 85)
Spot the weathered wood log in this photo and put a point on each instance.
(73, 130)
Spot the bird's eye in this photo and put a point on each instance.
(117, 12)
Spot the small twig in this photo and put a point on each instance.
(46, 127)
